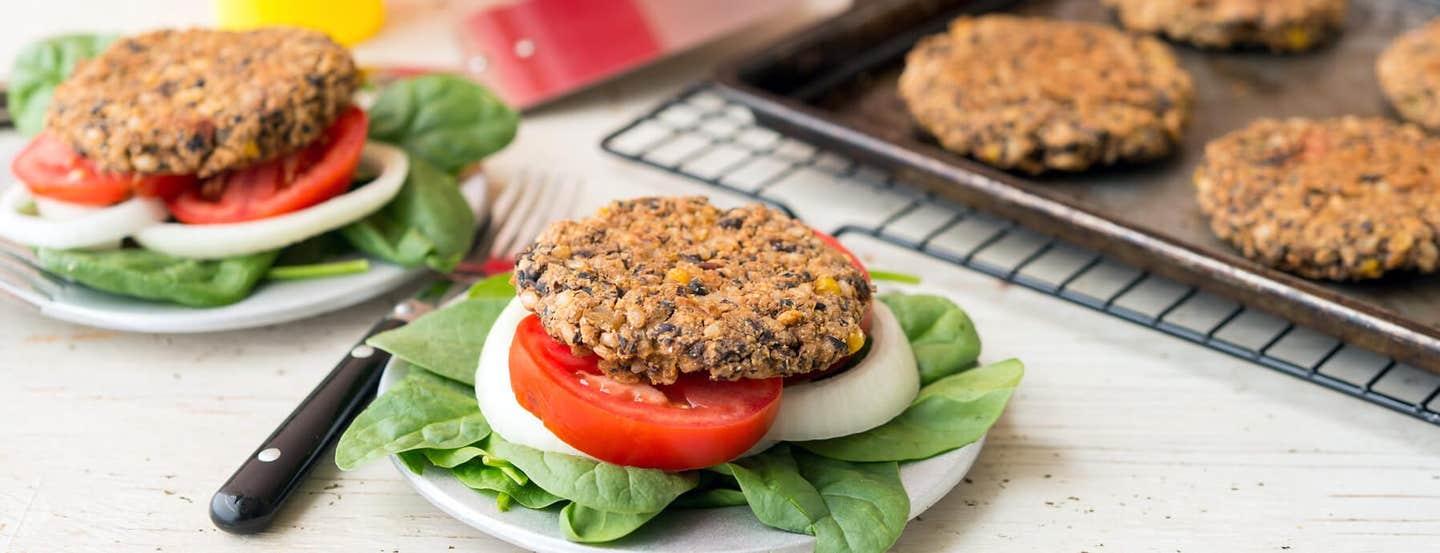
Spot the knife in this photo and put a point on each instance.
(249, 500)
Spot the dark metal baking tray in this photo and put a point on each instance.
(834, 85)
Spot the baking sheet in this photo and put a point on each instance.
(835, 84)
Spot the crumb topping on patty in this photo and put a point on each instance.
(1280, 25)
(202, 101)
(659, 287)
(1036, 94)
(1341, 199)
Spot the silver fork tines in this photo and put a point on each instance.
(22, 277)
(525, 207)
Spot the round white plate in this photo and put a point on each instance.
(723, 530)
(270, 303)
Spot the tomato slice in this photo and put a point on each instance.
(694, 423)
(291, 183)
(49, 168)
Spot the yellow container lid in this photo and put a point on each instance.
(347, 21)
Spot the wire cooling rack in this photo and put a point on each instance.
(703, 136)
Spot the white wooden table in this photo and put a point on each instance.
(1120, 439)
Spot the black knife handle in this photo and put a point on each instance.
(252, 496)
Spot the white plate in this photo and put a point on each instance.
(270, 303)
(723, 530)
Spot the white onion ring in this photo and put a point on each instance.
(867, 395)
(103, 226)
(273, 233)
(56, 210)
(496, 396)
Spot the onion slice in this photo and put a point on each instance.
(74, 228)
(496, 396)
(273, 233)
(867, 395)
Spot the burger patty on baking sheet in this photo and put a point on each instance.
(1280, 25)
(658, 287)
(1033, 94)
(1341, 199)
(202, 101)
(1409, 73)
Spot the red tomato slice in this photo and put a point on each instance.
(51, 169)
(693, 423)
(291, 183)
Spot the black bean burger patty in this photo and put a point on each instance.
(658, 287)
(202, 101)
(1034, 94)
(1280, 25)
(1340, 199)
(1409, 73)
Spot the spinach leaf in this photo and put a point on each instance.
(446, 341)
(428, 222)
(716, 489)
(316, 249)
(319, 270)
(447, 120)
(940, 333)
(867, 503)
(480, 476)
(848, 507)
(424, 411)
(950, 413)
(586, 525)
(150, 275)
(41, 67)
(778, 495)
(596, 484)
(413, 460)
(451, 458)
(709, 499)
(496, 286)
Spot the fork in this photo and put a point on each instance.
(22, 277)
(249, 500)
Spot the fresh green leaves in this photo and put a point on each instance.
(447, 120)
(446, 341)
(451, 458)
(845, 491)
(586, 525)
(709, 499)
(41, 67)
(319, 270)
(426, 414)
(477, 475)
(446, 123)
(496, 286)
(146, 274)
(428, 222)
(596, 484)
(424, 411)
(941, 334)
(777, 493)
(868, 504)
(848, 507)
(952, 412)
